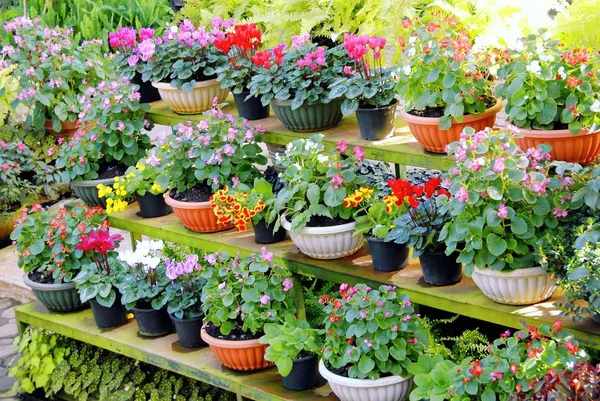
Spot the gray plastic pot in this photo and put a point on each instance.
(56, 297)
(308, 118)
(87, 191)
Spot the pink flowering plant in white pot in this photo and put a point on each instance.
(242, 294)
(133, 48)
(503, 200)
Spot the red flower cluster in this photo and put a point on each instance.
(263, 59)
(244, 38)
(98, 240)
(576, 56)
(413, 194)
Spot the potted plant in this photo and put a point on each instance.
(240, 296)
(133, 48)
(552, 96)
(581, 382)
(311, 203)
(49, 85)
(246, 206)
(297, 82)
(515, 367)
(142, 284)
(372, 337)
(46, 244)
(113, 139)
(183, 299)
(503, 199)
(367, 87)
(445, 85)
(197, 160)
(181, 65)
(294, 347)
(138, 181)
(96, 280)
(419, 228)
(241, 44)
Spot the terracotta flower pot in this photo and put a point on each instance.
(198, 100)
(433, 139)
(67, 130)
(246, 356)
(583, 148)
(196, 216)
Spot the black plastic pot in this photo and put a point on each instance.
(252, 108)
(113, 316)
(304, 374)
(153, 205)
(263, 233)
(376, 123)
(440, 269)
(148, 93)
(152, 322)
(388, 256)
(188, 331)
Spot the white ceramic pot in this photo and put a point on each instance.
(325, 242)
(198, 100)
(520, 287)
(393, 388)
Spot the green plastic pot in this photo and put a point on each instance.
(308, 118)
(56, 297)
(87, 191)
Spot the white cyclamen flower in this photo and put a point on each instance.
(128, 257)
(156, 245)
(150, 261)
(534, 67)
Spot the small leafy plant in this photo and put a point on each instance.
(371, 333)
(289, 341)
(184, 292)
(244, 294)
(374, 216)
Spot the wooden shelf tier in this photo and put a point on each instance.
(463, 298)
(166, 353)
(402, 148)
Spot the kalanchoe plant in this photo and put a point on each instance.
(503, 199)
(53, 70)
(184, 292)
(374, 215)
(133, 48)
(291, 340)
(183, 56)
(549, 87)
(47, 240)
(97, 279)
(514, 369)
(419, 227)
(317, 183)
(366, 83)
(241, 295)
(371, 333)
(303, 74)
(220, 151)
(144, 279)
(439, 75)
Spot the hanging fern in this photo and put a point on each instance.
(577, 25)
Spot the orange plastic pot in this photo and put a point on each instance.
(582, 148)
(196, 216)
(67, 131)
(245, 356)
(434, 139)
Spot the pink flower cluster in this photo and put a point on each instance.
(176, 269)
(313, 60)
(189, 35)
(358, 46)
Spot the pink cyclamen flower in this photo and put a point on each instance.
(222, 285)
(265, 299)
(502, 211)
(235, 181)
(359, 154)
(337, 181)
(348, 70)
(342, 146)
(21, 147)
(462, 195)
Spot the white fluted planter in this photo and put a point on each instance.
(520, 287)
(325, 242)
(198, 100)
(393, 388)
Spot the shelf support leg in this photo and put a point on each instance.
(400, 170)
(298, 295)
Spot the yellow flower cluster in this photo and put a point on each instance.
(117, 205)
(391, 200)
(363, 193)
(103, 190)
(156, 188)
(119, 189)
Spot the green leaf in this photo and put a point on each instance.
(37, 247)
(518, 225)
(284, 366)
(488, 395)
(433, 75)
(313, 193)
(449, 80)
(349, 106)
(496, 245)
(541, 207)
(338, 91)
(365, 365)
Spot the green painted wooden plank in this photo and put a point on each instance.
(164, 352)
(401, 149)
(463, 298)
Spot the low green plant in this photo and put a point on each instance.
(289, 341)
(576, 24)
(9, 88)
(43, 146)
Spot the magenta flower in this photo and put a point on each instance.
(265, 299)
(337, 181)
(287, 284)
(359, 154)
(462, 195)
(502, 211)
(394, 329)
(342, 146)
(559, 212)
(211, 259)
(267, 256)
(348, 70)
(499, 165)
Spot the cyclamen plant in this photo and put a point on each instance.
(316, 183)
(367, 83)
(503, 199)
(133, 47)
(245, 293)
(184, 292)
(371, 333)
(220, 151)
(514, 370)
(439, 71)
(549, 87)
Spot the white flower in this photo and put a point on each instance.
(150, 261)
(156, 245)
(298, 166)
(595, 107)
(534, 67)
(128, 257)
(582, 68)
(142, 248)
(518, 46)
(561, 72)
(412, 39)
(406, 70)
(412, 51)
(542, 55)
(322, 158)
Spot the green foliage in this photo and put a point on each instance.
(577, 24)
(314, 289)
(9, 88)
(37, 140)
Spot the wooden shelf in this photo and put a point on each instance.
(166, 353)
(401, 149)
(463, 298)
